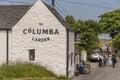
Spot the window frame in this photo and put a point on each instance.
(32, 54)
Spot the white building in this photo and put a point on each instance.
(36, 33)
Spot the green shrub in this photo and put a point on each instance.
(118, 54)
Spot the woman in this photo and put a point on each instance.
(110, 60)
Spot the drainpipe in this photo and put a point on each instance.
(67, 54)
(7, 46)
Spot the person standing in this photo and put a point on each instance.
(107, 48)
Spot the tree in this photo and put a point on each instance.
(94, 26)
(89, 41)
(116, 42)
(88, 30)
(110, 22)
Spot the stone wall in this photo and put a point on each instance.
(71, 53)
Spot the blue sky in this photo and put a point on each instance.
(80, 9)
(85, 9)
(16, 1)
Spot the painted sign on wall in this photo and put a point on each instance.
(40, 32)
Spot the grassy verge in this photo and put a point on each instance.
(27, 72)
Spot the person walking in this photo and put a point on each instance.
(105, 59)
(110, 52)
(100, 59)
(114, 60)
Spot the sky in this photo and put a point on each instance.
(17, 1)
(85, 9)
(79, 9)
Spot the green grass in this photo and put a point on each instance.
(27, 72)
(24, 70)
(45, 78)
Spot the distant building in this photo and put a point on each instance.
(38, 34)
(104, 39)
(104, 36)
(104, 42)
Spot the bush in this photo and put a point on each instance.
(118, 54)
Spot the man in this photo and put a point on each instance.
(100, 59)
(114, 60)
(81, 69)
(81, 65)
(105, 59)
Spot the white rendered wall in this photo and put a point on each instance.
(52, 53)
(3, 46)
(71, 53)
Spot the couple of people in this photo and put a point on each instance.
(84, 66)
(102, 60)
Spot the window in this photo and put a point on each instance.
(32, 54)
(71, 58)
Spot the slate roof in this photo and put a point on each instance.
(11, 14)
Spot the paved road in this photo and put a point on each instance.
(105, 73)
